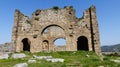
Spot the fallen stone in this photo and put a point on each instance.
(20, 55)
(87, 55)
(100, 66)
(73, 52)
(116, 61)
(55, 60)
(21, 65)
(4, 56)
(31, 61)
(42, 57)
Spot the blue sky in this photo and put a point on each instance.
(108, 15)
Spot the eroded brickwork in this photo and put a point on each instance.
(39, 33)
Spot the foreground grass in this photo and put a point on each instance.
(72, 59)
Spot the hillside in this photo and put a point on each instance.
(113, 48)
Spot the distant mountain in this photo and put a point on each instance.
(113, 48)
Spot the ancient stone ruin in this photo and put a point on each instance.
(39, 32)
(7, 47)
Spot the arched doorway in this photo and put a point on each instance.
(26, 44)
(82, 43)
(45, 45)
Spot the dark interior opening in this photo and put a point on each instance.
(82, 43)
(26, 44)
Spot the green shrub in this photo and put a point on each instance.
(55, 7)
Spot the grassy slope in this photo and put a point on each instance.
(72, 59)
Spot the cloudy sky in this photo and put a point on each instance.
(108, 15)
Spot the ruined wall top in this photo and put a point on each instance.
(56, 10)
(44, 17)
(67, 11)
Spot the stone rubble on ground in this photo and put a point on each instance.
(4, 56)
(21, 65)
(31, 61)
(87, 55)
(20, 55)
(116, 61)
(42, 57)
(49, 58)
(55, 60)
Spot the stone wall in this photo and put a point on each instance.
(39, 33)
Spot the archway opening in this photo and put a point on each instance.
(82, 43)
(26, 44)
(45, 45)
(60, 42)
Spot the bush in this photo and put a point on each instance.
(55, 7)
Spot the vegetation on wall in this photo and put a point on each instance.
(55, 7)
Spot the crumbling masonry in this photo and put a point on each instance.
(40, 32)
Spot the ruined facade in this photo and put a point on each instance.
(39, 33)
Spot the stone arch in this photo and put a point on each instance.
(45, 45)
(82, 43)
(26, 44)
(44, 29)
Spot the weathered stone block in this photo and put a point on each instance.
(55, 60)
(31, 61)
(21, 65)
(20, 55)
(4, 56)
(42, 57)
